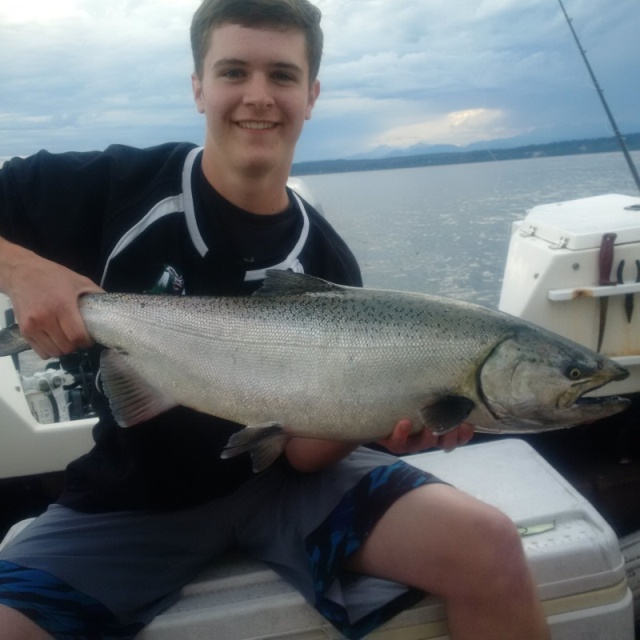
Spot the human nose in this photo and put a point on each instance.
(257, 92)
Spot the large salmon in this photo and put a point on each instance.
(308, 358)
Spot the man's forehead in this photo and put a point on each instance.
(238, 30)
(232, 42)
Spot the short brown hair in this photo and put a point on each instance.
(278, 14)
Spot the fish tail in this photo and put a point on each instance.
(11, 341)
(264, 442)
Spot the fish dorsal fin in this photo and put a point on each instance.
(131, 398)
(288, 283)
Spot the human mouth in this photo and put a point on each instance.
(256, 125)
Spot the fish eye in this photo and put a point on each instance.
(575, 374)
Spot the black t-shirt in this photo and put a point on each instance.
(147, 220)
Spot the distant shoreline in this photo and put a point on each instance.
(551, 149)
(547, 150)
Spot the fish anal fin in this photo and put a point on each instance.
(287, 283)
(446, 413)
(264, 442)
(131, 398)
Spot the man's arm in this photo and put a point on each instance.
(309, 455)
(44, 296)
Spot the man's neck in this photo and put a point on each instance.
(262, 194)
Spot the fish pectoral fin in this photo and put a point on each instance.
(287, 283)
(446, 413)
(131, 398)
(264, 442)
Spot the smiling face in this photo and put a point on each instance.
(255, 93)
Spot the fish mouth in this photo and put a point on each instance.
(575, 395)
(603, 400)
(592, 409)
(585, 409)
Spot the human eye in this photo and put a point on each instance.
(233, 74)
(286, 75)
(232, 70)
(283, 76)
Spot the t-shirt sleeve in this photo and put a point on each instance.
(54, 205)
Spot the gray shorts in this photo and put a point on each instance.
(106, 575)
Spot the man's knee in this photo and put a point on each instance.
(492, 529)
(497, 562)
(442, 540)
(16, 626)
(476, 545)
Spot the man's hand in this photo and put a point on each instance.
(45, 296)
(401, 441)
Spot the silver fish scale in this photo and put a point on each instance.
(324, 362)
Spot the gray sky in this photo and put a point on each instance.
(81, 74)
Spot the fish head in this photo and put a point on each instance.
(535, 381)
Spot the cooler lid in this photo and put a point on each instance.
(580, 224)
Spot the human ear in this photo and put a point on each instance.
(314, 92)
(196, 85)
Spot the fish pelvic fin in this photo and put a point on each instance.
(131, 398)
(11, 341)
(446, 413)
(264, 442)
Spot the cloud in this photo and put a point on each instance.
(83, 74)
(484, 58)
(457, 128)
(38, 11)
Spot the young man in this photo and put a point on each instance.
(150, 506)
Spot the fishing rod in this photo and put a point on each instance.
(619, 136)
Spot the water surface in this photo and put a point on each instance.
(445, 230)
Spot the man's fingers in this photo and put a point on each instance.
(56, 337)
(456, 438)
(75, 333)
(400, 441)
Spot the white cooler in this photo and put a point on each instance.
(573, 552)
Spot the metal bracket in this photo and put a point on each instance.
(527, 232)
(561, 244)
